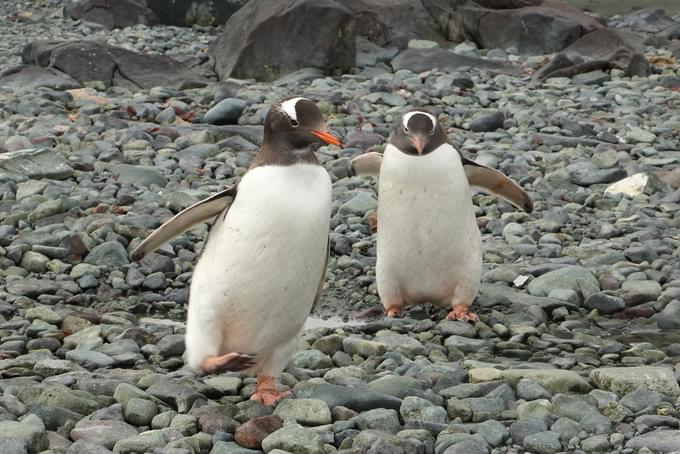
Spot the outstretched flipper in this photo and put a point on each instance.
(367, 165)
(184, 220)
(494, 182)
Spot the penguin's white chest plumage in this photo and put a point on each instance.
(260, 269)
(428, 240)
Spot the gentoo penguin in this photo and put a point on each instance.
(428, 242)
(264, 261)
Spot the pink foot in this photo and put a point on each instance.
(229, 362)
(393, 311)
(265, 391)
(462, 312)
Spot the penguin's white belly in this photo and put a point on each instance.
(260, 269)
(428, 239)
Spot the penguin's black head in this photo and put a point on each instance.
(294, 124)
(418, 133)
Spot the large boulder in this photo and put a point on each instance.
(267, 39)
(87, 61)
(602, 49)
(111, 13)
(29, 77)
(194, 12)
(394, 22)
(542, 28)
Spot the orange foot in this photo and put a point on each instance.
(265, 391)
(393, 311)
(462, 312)
(229, 362)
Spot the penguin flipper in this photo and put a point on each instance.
(494, 182)
(366, 165)
(184, 220)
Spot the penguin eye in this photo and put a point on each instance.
(405, 130)
(294, 123)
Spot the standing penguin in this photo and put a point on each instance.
(429, 245)
(264, 262)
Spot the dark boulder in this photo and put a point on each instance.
(602, 49)
(647, 20)
(267, 39)
(418, 60)
(394, 22)
(88, 61)
(194, 12)
(29, 77)
(111, 13)
(542, 29)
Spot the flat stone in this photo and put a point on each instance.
(309, 412)
(294, 438)
(103, 432)
(354, 398)
(574, 277)
(657, 441)
(35, 164)
(553, 380)
(623, 380)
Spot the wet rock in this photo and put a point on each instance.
(124, 13)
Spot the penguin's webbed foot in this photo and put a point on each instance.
(266, 392)
(463, 313)
(269, 397)
(393, 311)
(230, 362)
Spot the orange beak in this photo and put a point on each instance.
(327, 137)
(419, 143)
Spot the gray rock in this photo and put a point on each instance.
(657, 441)
(467, 447)
(294, 438)
(641, 398)
(521, 429)
(623, 380)
(143, 442)
(171, 345)
(597, 77)
(138, 175)
(103, 432)
(421, 410)
(378, 419)
(575, 278)
(225, 112)
(638, 292)
(34, 164)
(604, 303)
(111, 254)
(23, 436)
(140, 412)
(311, 359)
(179, 396)
(360, 204)
(89, 359)
(528, 389)
(567, 428)
(547, 442)
(309, 412)
(596, 443)
(489, 121)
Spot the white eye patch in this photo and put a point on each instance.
(408, 116)
(288, 107)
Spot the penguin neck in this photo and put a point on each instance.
(283, 154)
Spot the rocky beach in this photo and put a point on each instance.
(108, 128)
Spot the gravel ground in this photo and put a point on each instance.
(577, 342)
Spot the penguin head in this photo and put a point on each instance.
(296, 123)
(418, 133)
